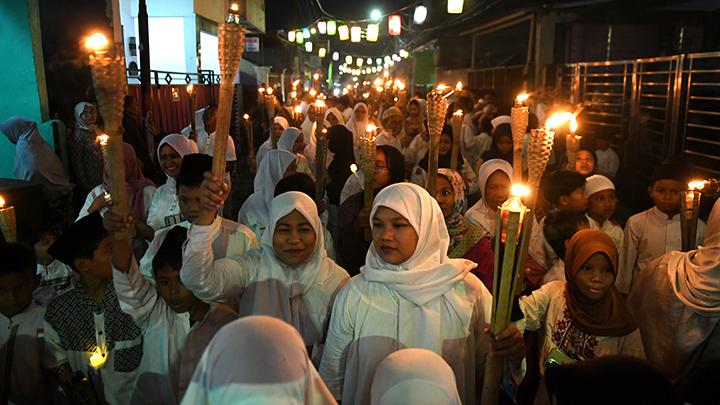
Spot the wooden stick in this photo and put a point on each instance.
(436, 107)
(457, 120)
(518, 123)
(231, 38)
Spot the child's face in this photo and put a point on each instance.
(504, 144)
(41, 247)
(294, 239)
(445, 196)
(602, 204)
(299, 144)
(576, 201)
(497, 189)
(99, 264)
(394, 238)
(595, 277)
(16, 291)
(445, 144)
(189, 202)
(584, 163)
(665, 193)
(277, 131)
(172, 290)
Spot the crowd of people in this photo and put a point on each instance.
(297, 297)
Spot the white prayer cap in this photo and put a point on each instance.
(281, 121)
(596, 183)
(500, 119)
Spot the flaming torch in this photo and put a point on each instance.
(436, 107)
(8, 221)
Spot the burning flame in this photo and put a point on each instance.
(97, 43)
(399, 84)
(370, 128)
(573, 125)
(521, 98)
(366, 95)
(189, 88)
(458, 113)
(316, 76)
(459, 86)
(353, 168)
(558, 119)
(441, 87)
(295, 83)
(246, 117)
(293, 94)
(2, 202)
(313, 93)
(234, 7)
(298, 109)
(319, 103)
(269, 90)
(697, 184)
(102, 139)
(261, 90)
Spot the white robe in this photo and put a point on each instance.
(608, 162)
(615, 232)
(354, 184)
(55, 279)
(164, 337)
(233, 239)
(481, 215)
(301, 295)
(148, 195)
(649, 235)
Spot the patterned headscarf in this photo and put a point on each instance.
(455, 222)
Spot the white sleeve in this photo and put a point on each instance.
(55, 355)
(138, 298)
(209, 280)
(535, 305)
(148, 196)
(339, 336)
(629, 255)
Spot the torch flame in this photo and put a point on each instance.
(261, 90)
(519, 190)
(319, 103)
(521, 98)
(234, 7)
(269, 90)
(458, 113)
(2, 202)
(459, 86)
(441, 87)
(573, 125)
(399, 84)
(298, 109)
(246, 117)
(97, 43)
(370, 128)
(102, 139)
(366, 95)
(189, 88)
(697, 184)
(313, 93)
(558, 119)
(353, 168)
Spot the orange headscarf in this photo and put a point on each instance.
(609, 316)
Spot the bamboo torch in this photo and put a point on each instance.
(8, 222)
(518, 123)
(231, 37)
(436, 107)
(689, 213)
(192, 100)
(251, 142)
(322, 147)
(457, 120)
(367, 163)
(110, 83)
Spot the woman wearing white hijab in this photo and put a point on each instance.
(255, 212)
(409, 294)
(494, 177)
(358, 123)
(271, 366)
(414, 376)
(678, 311)
(292, 141)
(85, 156)
(308, 125)
(164, 209)
(290, 277)
(35, 161)
(280, 124)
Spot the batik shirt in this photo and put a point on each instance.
(70, 336)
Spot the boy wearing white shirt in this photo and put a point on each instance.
(602, 201)
(55, 276)
(234, 239)
(608, 161)
(21, 329)
(656, 231)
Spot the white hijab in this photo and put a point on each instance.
(695, 275)
(79, 123)
(414, 376)
(281, 121)
(288, 138)
(481, 213)
(358, 128)
(427, 278)
(269, 366)
(182, 145)
(338, 116)
(288, 302)
(271, 170)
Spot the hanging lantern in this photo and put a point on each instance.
(378, 61)
(387, 59)
(394, 24)
(344, 32)
(359, 62)
(373, 31)
(313, 31)
(336, 56)
(322, 27)
(299, 37)
(291, 36)
(355, 34)
(331, 27)
(454, 6)
(348, 60)
(322, 52)
(420, 14)
(308, 46)
(306, 33)
(404, 54)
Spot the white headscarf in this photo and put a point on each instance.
(271, 170)
(480, 213)
(35, 161)
(281, 121)
(500, 119)
(358, 128)
(338, 115)
(428, 274)
(289, 302)
(256, 360)
(79, 123)
(288, 138)
(695, 275)
(490, 167)
(414, 376)
(182, 145)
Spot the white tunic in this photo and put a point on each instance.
(649, 235)
(55, 279)
(483, 216)
(233, 239)
(613, 230)
(164, 209)
(164, 337)
(546, 309)
(354, 184)
(608, 162)
(148, 195)
(27, 382)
